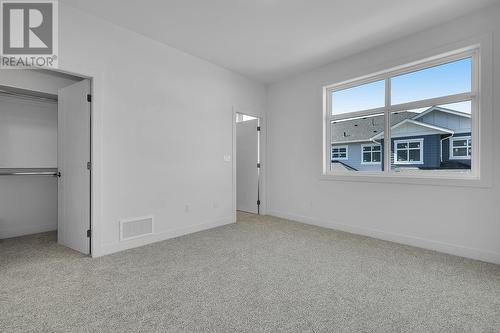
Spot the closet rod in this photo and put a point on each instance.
(29, 172)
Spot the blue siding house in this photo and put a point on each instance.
(437, 138)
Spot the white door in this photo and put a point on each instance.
(73, 151)
(247, 173)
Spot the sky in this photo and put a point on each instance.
(447, 79)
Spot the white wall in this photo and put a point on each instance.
(459, 220)
(162, 124)
(28, 133)
(28, 205)
(28, 139)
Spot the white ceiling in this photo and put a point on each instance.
(270, 39)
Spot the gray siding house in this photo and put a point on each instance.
(437, 138)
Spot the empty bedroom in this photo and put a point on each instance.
(249, 166)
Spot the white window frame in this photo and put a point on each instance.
(395, 152)
(472, 52)
(371, 153)
(456, 138)
(340, 158)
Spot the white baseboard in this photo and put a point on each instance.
(457, 250)
(158, 237)
(7, 232)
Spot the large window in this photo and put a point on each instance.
(340, 153)
(409, 151)
(461, 148)
(371, 154)
(416, 119)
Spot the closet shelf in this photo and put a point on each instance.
(28, 172)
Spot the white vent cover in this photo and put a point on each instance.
(137, 227)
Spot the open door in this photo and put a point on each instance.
(247, 171)
(73, 159)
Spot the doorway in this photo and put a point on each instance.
(45, 163)
(248, 163)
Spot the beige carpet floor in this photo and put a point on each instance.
(261, 274)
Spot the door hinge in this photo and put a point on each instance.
(258, 128)
(89, 165)
(89, 98)
(258, 165)
(258, 202)
(89, 233)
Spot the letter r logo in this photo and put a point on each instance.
(27, 27)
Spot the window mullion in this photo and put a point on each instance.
(360, 114)
(387, 125)
(450, 99)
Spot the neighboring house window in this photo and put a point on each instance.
(371, 154)
(340, 153)
(401, 108)
(460, 148)
(409, 151)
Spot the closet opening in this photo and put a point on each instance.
(45, 158)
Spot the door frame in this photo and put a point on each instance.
(262, 158)
(95, 158)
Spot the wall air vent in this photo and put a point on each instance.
(136, 227)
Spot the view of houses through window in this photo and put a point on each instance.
(427, 112)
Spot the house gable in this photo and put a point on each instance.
(454, 120)
(410, 127)
(413, 128)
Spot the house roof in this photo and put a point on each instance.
(363, 129)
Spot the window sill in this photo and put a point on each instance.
(416, 178)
